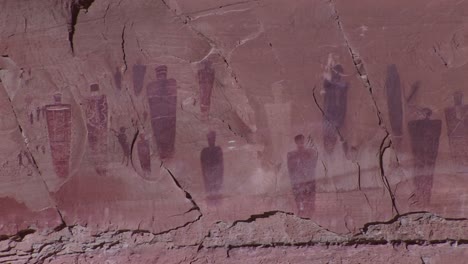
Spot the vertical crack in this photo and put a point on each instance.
(360, 69)
(75, 8)
(187, 194)
(383, 147)
(122, 45)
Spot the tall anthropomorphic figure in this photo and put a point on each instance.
(457, 130)
(424, 134)
(162, 98)
(394, 103)
(138, 77)
(206, 77)
(212, 168)
(96, 111)
(58, 118)
(278, 115)
(301, 168)
(336, 90)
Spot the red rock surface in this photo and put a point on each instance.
(232, 130)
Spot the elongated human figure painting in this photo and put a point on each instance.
(457, 130)
(162, 97)
(394, 103)
(336, 90)
(96, 110)
(58, 119)
(424, 134)
(212, 163)
(138, 76)
(206, 77)
(301, 168)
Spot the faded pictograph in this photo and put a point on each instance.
(144, 154)
(96, 111)
(301, 168)
(394, 102)
(424, 134)
(58, 118)
(212, 164)
(278, 115)
(138, 76)
(457, 129)
(124, 144)
(335, 101)
(162, 97)
(118, 78)
(206, 77)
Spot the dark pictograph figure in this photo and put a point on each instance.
(206, 77)
(139, 72)
(212, 168)
(334, 106)
(424, 134)
(118, 78)
(457, 130)
(301, 168)
(58, 118)
(162, 97)
(394, 101)
(38, 113)
(31, 118)
(144, 154)
(123, 141)
(96, 111)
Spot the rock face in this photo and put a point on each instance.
(177, 131)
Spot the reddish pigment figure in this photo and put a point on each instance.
(457, 130)
(301, 168)
(38, 113)
(394, 102)
(335, 103)
(96, 111)
(123, 141)
(139, 72)
(206, 77)
(424, 134)
(118, 78)
(144, 154)
(162, 97)
(58, 118)
(212, 168)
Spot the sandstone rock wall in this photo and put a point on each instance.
(263, 131)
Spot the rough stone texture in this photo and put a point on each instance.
(169, 131)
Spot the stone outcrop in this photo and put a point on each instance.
(176, 131)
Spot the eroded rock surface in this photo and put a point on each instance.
(177, 131)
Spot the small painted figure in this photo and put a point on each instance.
(278, 115)
(457, 130)
(301, 168)
(38, 113)
(206, 77)
(118, 78)
(212, 169)
(123, 141)
(336, 90)
(144, 154)
(58, 118)
(31, 118)
(424, 134)
(394, 102)
(96, 111)
(139, 72)
(162, 97)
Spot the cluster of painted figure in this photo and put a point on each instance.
(301, 163)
